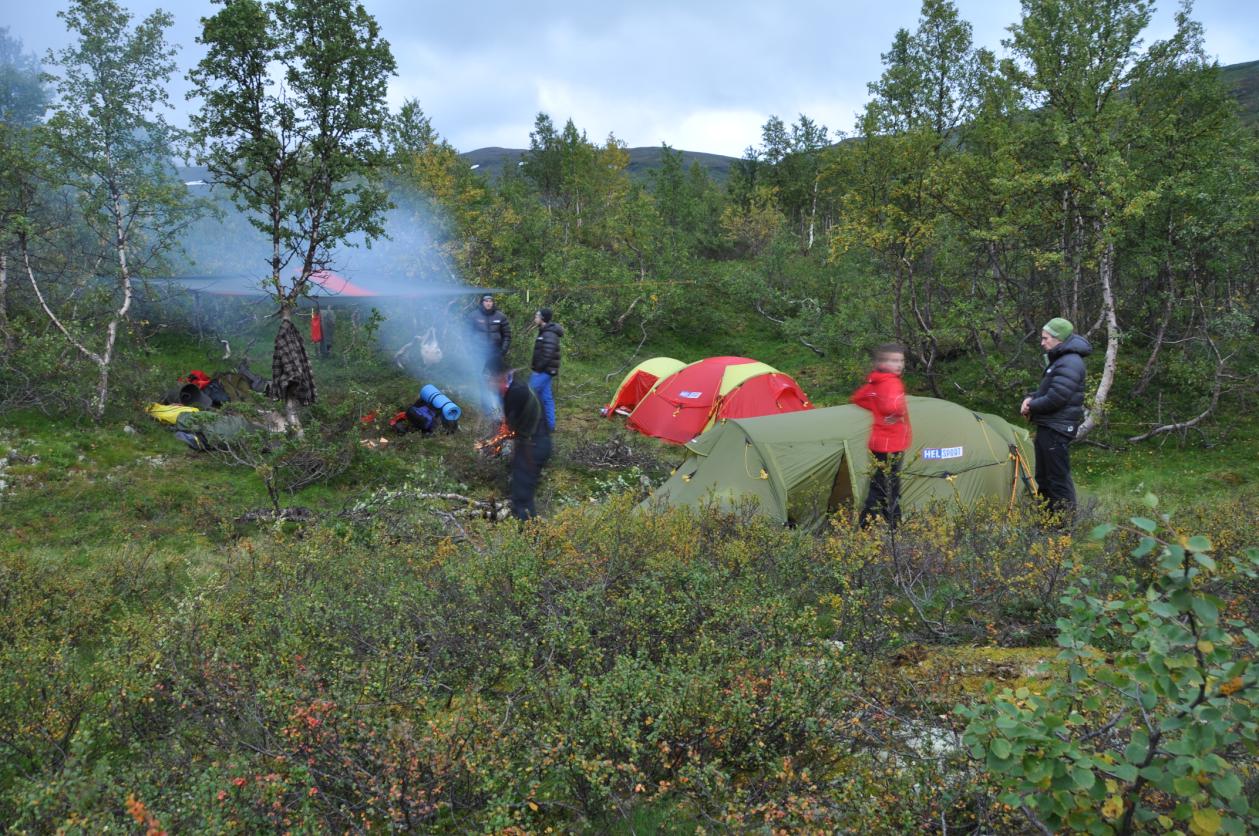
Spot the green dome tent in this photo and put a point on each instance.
(804, 466)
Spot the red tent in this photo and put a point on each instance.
(638, 383)
(684, 404)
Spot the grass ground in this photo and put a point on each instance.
(120, 527)
(74, 487)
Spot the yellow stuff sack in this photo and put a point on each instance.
(168, 413)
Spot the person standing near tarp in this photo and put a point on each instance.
(316, 327)
(321, 324)
(532, 448)
(492, 333)
(883, 394)
(1057, 409)
(329, 321)
(546, 362)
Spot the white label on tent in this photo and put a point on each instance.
(690, 395)
(937, 453)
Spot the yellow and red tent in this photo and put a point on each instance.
(684, 404)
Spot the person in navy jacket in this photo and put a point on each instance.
(1057, 409)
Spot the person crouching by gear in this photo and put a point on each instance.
(523, 413)
(1057, 409)
(884, 395)
(492, 334)
(546, 362)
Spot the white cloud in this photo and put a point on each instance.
(727, 132)
(701, 75)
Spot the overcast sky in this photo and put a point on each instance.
(700, 76)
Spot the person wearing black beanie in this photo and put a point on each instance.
(545, 364)
(491, 338)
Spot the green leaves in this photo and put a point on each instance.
(1124, 772)
(1198, 543)
(1102, 531)
(304, 162)
(1083, 778)
(1228, 786)
(1206, 610)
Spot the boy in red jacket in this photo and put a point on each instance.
(884, 395)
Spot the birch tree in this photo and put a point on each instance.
(1082, 66)
(112, 148)
(291, 124)
(898, 189)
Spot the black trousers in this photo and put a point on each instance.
(883, 499)
(529, 456)
(1053, 470)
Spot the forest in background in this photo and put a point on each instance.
(168, 662)
(1082, 174)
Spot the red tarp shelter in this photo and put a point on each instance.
(337, 285)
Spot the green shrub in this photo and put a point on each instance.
(1155, 721)
(598, 669)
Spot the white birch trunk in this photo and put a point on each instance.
(97, 404)
(1106, 274)
(111, 331)
(812, 217)
(6, 333)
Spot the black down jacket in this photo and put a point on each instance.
(1059, 402)
(546, 349)
(493, 327)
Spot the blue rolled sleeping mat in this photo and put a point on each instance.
(432, 396)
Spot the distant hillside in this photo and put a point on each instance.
(641, 160)
(1243, 81)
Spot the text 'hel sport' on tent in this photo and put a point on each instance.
(638, 383)
(805, 466)
(689, 401)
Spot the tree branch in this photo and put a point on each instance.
(1216, 388)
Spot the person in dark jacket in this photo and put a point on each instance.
(532, 448)
(546, 361)
(494, 330)
(1057, 410)
(329, 323)
(491, 333)
(884, 395)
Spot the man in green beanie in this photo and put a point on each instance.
(1057, 410)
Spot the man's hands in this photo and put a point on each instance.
(1026, 409)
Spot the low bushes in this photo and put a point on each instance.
(597, 668)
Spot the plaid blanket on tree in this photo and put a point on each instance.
(290, 368)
